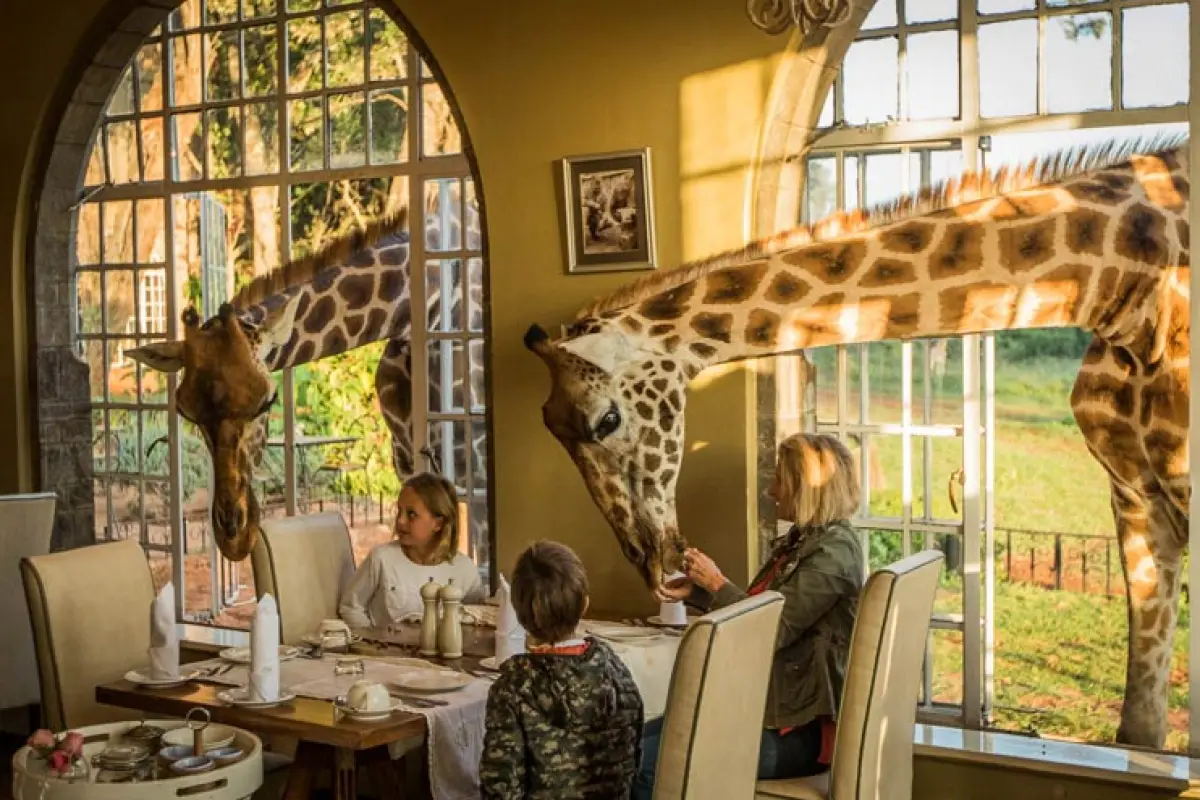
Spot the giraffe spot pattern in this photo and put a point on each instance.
(324, 280)
(1085, 231)
(1060, 292)
(959, 250)
(1097, 192)
(305, 351)
(651, 438)
(357, 290)
(334, 342)
(1025, 204)
(907, 237)
(661, 329)
(354, 324)
(702, 350)
(320, 316)
(904, 315)
(762, 327)
(651, 461)
(833, 263)
(670, 304)
(362, 258)
(644, 410)
(376, 319)
(1140, 236)
(1025, 247)
(672, 343)
(785, 288)
(981, 306)
(660, 384)
(1184, 232)
(733, 285)
(391, 285)
(631, 324)
(888, 272)
(396, 256)
(671, 447)
(713, 326)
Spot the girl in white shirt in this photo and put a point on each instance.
(386, 587)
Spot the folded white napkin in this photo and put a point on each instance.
(510, 636)
(164, 644)
(264, 651)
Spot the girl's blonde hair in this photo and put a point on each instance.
(817, 472)
(439, 497)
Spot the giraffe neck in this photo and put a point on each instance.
(1091, 251)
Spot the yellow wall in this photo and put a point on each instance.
(536, 80)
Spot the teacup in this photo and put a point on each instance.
(336, 629)
(368, 696)
(673, 613)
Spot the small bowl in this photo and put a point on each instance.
(226, 755)
(192, 765)
(175, 752)
(215, 735)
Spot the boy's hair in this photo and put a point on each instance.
(439, 497)
(817, 475)
(549, 591)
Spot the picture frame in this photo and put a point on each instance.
(609, 212)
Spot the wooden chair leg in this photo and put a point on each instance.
(345, 774)
(303, 773)
(385, 774)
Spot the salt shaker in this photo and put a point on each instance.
(429, 623)
(450, 633)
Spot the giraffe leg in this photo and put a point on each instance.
(1150, 533)
(393, 384)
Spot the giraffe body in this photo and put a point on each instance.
(1096, 238)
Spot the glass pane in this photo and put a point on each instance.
(122, 379)
(95, 166)
(93, 354)
(870, 78)
(885, 179)
(439, 131)
(99, 441)
(151, 232)
(224, 141)
(186, 60)
(389, 48)
(261, 57)
(119, 299)
(1078, 62)
(475, 295)
(943, 165)
(152, 301)
(447, 439)
(826, 118)
(219, 11)
(87, 298)
(443, 290)
(443, 224)
(187, 163)
(118, 232)
(947, 667)
(155, 460)
(477, 368)
(304, 54)
(883, 15)
(1008, 68)
(156, 506)
(445, 377)
(883, 400)
(153, 148)
(150, 77)
(930, 10)
(87, 234)
(425, 71)
(121, 101)
(1154, 54)
(242, 240)
(347, 130)
(850, 180)
(224, 66)
(347, 51)
(186, 16)
(123, 165)
(932, 75)
(262, 139)
(307, 145)
(479, 454)
(474, 235)
(389, 126)
(253, 9)
(1004, 6)
(821, 188)
(303, 5)
(322, 212)
(480, 539)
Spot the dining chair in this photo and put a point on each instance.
(26, 523)
(304, 562)
(713, 718)
(873, 749)
(90, 612)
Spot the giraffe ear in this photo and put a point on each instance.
(606, 349)
(276, 328)
(162, 356)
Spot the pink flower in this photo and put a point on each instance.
(41, 739)
(72, 745)
(59, 761)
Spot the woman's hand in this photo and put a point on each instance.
(702, 571)
(673, 591)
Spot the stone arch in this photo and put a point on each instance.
(62, 421)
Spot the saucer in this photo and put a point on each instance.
(315, 639)
(368, 716)
(241, 655)
(215, 736)
(659, 622)
(241, 697)
(432, 681)
(490, 663)
(142, 678)
(622, 633)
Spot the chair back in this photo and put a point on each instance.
(26, 523)
(873, 753)
(90, 610)
(713, 721)
(304, 562)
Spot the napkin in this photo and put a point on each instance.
(164, 643)
(510, 636)
(264, 651)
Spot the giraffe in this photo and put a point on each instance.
(1095, 237)
(352, 293)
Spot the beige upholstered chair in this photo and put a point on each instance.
(304, 562)
(711, 728)
(873, 753)
(90, 609)
(26, 522)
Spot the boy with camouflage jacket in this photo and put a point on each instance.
(565, 719)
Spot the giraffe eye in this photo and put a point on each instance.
(608, 423)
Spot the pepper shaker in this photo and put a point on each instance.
(450, 633)
(429, 623)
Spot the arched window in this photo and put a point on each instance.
(244, 134)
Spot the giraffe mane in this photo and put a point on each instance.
(970, 186)
(301, 270)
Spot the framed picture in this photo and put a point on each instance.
(609, 211)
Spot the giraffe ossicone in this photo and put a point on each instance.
(1095, 238)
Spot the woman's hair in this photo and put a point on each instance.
(816, 471)
(549, 591)
(439, 497)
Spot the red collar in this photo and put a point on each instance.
(560, 649)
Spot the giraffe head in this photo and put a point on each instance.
(226, 391)
(616, 404)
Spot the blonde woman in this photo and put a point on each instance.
(818, 567)
(386, 587)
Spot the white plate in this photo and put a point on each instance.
(660, 622)
(622, 633)
(490, 663)
(315, 638)
(241, 655)
(368, 716)
(142, 678)
(240, 697)
(215, 736)
(432, 681)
